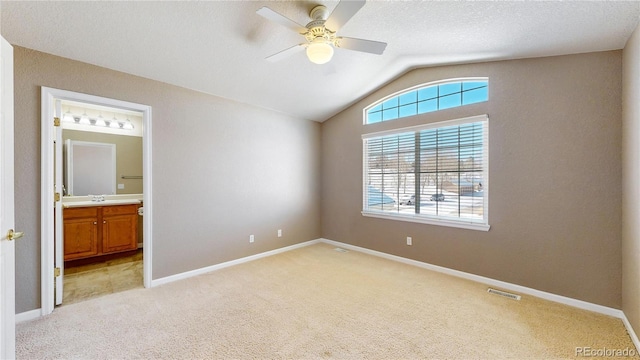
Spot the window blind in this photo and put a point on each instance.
(433, 171)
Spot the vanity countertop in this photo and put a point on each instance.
(109, 200)
(99, 203)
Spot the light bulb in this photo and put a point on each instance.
(100, 121)
(319, 52)
(127, 125)
(68, 117)
(84, 119)
(114, 123)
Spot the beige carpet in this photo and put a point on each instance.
(314, 303)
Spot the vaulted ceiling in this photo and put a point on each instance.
(219, 47)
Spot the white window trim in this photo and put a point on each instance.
(424, 220)
(439, 124)
(417, 218)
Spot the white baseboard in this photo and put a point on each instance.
(28, 315)
(632, 333)
(500, 284)
(223, 265)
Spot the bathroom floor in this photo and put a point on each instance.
(93, 280)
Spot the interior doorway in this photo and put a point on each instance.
(102, 160)
(100, 225)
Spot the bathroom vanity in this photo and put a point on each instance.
(96, 228)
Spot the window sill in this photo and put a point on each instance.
(430, 221)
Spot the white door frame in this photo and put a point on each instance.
(48, 96)
(58, 261)
(7, 215)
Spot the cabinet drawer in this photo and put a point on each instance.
(81, 212)
(120, 210)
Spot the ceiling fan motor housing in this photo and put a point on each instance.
(319, 12)
(321, 32)
(316, 27)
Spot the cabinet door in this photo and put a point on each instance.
(119, 233)
(80, 238)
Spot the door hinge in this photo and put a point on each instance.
(56, 197)
(56, 121)
(56, 272)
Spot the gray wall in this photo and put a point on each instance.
(221, 170)
(224, 170)
(128, 156)
(630, 179)
(554, 175)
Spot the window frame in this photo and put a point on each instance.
(482, 225)
(398, 94)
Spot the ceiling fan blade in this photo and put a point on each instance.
(342, 13)
(329, 69)
(286, 53)
(368, 46)
(281, 19)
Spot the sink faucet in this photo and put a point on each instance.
(97, 198)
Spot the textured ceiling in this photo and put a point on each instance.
(219, 47)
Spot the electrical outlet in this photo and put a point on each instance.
(251, 238)
(409, 240)
(279, 232)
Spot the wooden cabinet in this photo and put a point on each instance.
(99, 230)
(80, 232)
(119, 228)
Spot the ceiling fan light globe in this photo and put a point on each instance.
(319, 52)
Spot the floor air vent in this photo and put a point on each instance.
(340, 250)
(503, 293)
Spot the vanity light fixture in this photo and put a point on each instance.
(68, 117)
(127, 125)
(100, 121)
(84, 119)
(114, 123)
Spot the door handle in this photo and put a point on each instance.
(13, 235)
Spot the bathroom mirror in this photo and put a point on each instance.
(90, 168)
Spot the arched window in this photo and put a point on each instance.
(427, 98)
(436, 172)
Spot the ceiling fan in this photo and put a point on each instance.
(320, 33)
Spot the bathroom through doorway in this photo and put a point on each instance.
(101, 234)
